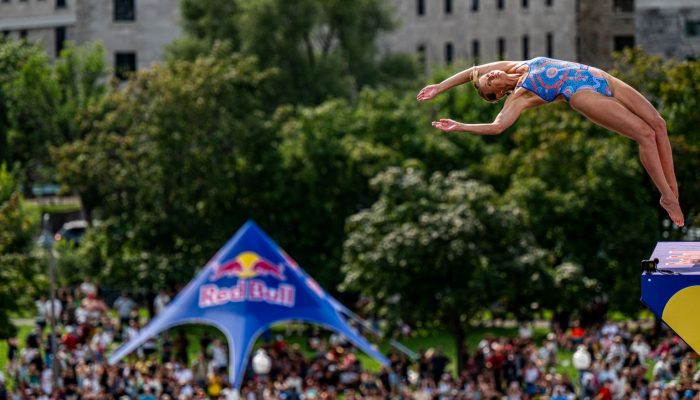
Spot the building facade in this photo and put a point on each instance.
(442, 31)
(670, 28)
(48, 21)
(133, 32)
(604, 26)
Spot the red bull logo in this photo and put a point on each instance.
(686, 258)
(246, 266)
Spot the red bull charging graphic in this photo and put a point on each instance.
(246, 267)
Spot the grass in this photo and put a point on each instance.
(35, 209)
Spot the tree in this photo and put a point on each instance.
(19, 268)
(171, 164)
(321, 49)
(587, 200)
(446, 245)
(330, 153)
(13, 54)
(43, 102)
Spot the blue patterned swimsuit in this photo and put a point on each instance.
(548, 78)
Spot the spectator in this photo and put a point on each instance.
(57, 310)
(161, 301)
(40, 318)
(94, 308)
(88, 288)
(438, 362)
(502, 367)
(124, 305)
(641, 348)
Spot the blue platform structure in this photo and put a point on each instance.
(671, 288)
(249, 285)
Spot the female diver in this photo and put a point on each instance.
(602, 98)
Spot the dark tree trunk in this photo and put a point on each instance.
(458, 332)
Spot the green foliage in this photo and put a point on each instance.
(19, 268)
(41, 103)
(321, 49)
(330, 153)
(169, 190)
(7, 184)
(445, 244)
(587, 199)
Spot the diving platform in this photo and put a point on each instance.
(671, 288)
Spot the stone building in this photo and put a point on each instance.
(48, 21)
(604, 26)
(134, 32)
(670, 28)
(441, 31)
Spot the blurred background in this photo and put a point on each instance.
(136, 136)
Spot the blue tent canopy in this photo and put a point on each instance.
(250, 284)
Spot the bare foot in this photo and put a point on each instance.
(673, 209)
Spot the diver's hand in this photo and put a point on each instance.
(428, 92)
(448, 125)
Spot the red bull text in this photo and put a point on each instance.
(245, 266)
(686, 258)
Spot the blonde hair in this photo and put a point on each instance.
(491, 97)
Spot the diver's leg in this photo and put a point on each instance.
(612, 114)
(640, 106)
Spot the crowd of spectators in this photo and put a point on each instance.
(610, 361)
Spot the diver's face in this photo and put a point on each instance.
(493, 84)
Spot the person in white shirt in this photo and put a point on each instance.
(218, 353)
(640, 346)
(87, 287)
(57, 310)
(610, 330)
(161, 301)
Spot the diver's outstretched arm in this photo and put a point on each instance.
(462, 77)
(512, 109)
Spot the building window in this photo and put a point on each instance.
(623, 5)
(420, 51)
(526, 47)
(548, 3)
(525, 3)
(476, 50)
(124, 64)
(448, 7)
(60, 3)
(5, 33)
(692, 28)
(60, 39)
(622, 42)
(501, 48)
(420, 7)
(124, 10)
(500, 4)
(5, 1)
(550, 44)
(449, 53)
(475, 5)
(23, 34)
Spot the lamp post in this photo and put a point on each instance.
(261, 366)
(46, 241)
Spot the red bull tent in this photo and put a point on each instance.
(250, 284)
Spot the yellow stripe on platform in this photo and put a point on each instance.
(682, 314)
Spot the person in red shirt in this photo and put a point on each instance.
(70, 339)
(576, 334)
(604, 393)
